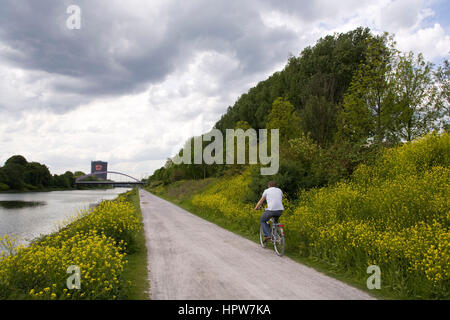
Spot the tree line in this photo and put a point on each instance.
(18, 174)
(336, 105)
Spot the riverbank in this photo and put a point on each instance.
(105, 244)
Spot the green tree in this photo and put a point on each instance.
(367, 109)
(290, 178)
(325, 69)
(17, 159)
(78, 174)
(284, 117)
(70, 179)
(37, 174)
(318, 119)
(441, 94)
(61, 181)
(3, 180)
(13, 174)
(414, 112)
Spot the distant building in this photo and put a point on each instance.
(98, 166)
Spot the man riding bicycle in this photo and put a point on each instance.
(273, 197)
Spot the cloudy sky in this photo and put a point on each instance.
(139, 77)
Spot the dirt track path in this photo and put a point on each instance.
(191, 258)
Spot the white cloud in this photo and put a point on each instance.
(433, 42)
(404, 18)
(221, 54)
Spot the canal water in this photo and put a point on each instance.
(29, 215)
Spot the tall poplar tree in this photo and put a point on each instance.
(367, 107)
(415, 112)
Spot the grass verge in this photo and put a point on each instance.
(135, 275)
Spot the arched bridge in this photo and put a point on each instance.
(133, 181)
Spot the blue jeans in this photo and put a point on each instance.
(266, 217)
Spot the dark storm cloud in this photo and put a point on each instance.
(117, 51)
(38, 31)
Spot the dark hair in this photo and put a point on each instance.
(272, 184)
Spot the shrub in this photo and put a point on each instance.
(3, 187)
(40, 270)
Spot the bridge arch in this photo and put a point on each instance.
(103, 172)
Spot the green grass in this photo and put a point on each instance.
(136, 285)
(183, 200)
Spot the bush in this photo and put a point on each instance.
(40, 270)
(291, 177)
(115, 219)
(29, 187)
(226, 197)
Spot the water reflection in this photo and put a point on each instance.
(32, 214)
(21, 204)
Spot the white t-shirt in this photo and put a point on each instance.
(273, 197)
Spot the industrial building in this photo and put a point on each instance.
(99, 166)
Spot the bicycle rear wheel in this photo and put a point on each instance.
(278, 242)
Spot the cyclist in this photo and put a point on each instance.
(273, 196)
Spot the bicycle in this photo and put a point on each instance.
(276, 236)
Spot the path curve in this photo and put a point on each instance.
(191, 258)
